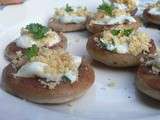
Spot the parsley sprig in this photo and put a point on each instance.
(31, 52)
(39, 31)
(106, 8)
(68, 8)
(115, 32)
(125, 32)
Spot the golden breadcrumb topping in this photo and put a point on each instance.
(120, 12)
(51, 35)
(132, 4)
(137, 41)
(59, 61)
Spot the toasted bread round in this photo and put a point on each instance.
(31, 89)
(155, 19)
(62, 27)
(95, 28)
(12, 48)
(113, 59)
(148, 83)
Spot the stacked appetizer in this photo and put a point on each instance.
(110, 15)
(47, 76)
(69, 18)
(35, 34)
(120, 47)
(148, 76)
(152, 13)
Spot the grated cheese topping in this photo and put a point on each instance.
(134, 43)
(139, 42)
(132, 4)
(59, 61)
(120, 12)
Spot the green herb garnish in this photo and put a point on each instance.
(37, 30)
(31, 52)
(106, 8)
(68, 8)
(127, 32)
(115, 32)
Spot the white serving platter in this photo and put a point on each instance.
(113, 95)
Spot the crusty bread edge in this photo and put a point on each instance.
(62, 27)
(85, 80)
(144, 88)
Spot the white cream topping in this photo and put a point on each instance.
(32, 69)
(26, 41)
(120, 6)
(72, 19)
(120, 48)
(38, 69)
(115, 20)
(123, 48)
(155, 11)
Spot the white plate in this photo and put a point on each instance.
(112, 97)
